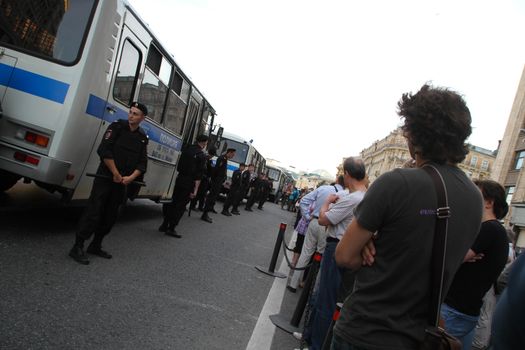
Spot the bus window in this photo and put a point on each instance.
(274, 174)
(159, 65)
(128, 70)
(154, 86)
(176, 83)
(175, 110)
(54, 29)
(241, 150)
(153, 95)
(205, 126)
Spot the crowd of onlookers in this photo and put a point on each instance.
(381, 244)
(417, 234)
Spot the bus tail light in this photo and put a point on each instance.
(37, 139)
(26, 158)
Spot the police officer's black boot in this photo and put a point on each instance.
(164, 226)
(77, 252)
(95, 248)
(206, 217)
(170, 231)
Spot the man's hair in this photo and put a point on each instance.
(230, 150)
(437, 123)
(341, 180)
(493, 191)
(202, 138)
(355, 168)
(212, 151)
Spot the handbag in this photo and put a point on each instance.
(436, 338)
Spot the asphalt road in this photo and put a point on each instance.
(158, 292)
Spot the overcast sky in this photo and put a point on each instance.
(314, 81)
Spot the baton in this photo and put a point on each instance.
(139, 183)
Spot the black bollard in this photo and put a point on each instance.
(275, 255)
(293, 326)
(305, 294)
(328, 339)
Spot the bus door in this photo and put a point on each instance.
(7, 65)
(190, 129)
(121, 92)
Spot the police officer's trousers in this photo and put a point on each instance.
(232, 198)
(174, 211)
(215, 189)
(102, 210)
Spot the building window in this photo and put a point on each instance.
(484, 164)
(509, 190)
(473, 161)
(519, 160)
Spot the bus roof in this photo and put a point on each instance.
(234, 137)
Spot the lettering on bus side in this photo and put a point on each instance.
(169, 141)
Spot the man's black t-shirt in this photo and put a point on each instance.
(474, 279)
(389, 306)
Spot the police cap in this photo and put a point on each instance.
(140, 106)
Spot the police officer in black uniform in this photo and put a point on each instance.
(200, 199)
(191, 167)
(266, 188)
(234, 190)
(245, 185)
(217, 178)
(255, 188)
(123, 159)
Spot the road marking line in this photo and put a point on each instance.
(264, 330)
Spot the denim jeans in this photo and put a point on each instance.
(459, 325)
(339, 343)
(326, 298)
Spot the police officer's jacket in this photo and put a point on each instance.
(192, 163)
(266, 187)
(219, 171)
(245, 179)
(127, 148)
(236, 179)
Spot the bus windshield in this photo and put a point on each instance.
(53, 28)
(241, 150)
(274, 174)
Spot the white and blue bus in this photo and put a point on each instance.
(276, 175)
(245, 153)
(280, 179)
(68, 68)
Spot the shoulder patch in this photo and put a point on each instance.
(108, 133)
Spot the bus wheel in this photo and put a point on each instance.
(7, 180)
